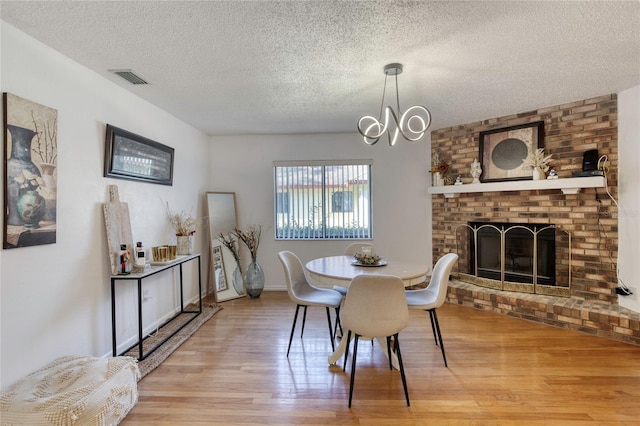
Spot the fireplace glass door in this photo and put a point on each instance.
(525, 245)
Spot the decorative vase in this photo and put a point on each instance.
(436, 179)
(18, 162)
(254, 279)
(538, 174)
(49, 190)
(48, 175)
(185, 244)
(31, 209)
(237, 280)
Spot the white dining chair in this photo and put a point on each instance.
(433, 296)
(375, 306)
(304, 294)
(354, 248)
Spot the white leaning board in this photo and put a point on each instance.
(118, 226)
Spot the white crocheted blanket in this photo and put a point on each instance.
(73, 390)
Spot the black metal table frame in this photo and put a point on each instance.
(139, 277)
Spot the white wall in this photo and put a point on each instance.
(55, 299)
(629, 194)
(402, 207)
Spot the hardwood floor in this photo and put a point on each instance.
(502, 371)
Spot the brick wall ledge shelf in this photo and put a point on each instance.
(566, 185)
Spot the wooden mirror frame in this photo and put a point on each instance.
(222, 216)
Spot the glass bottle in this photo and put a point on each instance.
(140, 259)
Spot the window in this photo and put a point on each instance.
(322, 199)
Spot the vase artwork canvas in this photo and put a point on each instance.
(31, 157)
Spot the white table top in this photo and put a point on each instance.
(339, 270)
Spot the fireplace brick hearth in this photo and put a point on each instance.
(588, 316)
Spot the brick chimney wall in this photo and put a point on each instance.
(590, 216)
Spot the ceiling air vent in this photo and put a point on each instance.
(130, 76)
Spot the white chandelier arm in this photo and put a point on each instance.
(419, 114)
(371, 129)
(388, 115)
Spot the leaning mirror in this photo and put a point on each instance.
(225, 274)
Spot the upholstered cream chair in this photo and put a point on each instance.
(375, 306)
(434, 295)
(304, 294)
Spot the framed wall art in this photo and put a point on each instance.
(503, 151)
(134, 157)
(31, 158)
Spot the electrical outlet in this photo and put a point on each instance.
(145, 295)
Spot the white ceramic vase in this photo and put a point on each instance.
(538, 174)
(437, 179)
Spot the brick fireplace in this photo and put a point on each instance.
(590, 216)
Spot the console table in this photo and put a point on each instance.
(155, 269)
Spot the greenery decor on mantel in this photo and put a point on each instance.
(254, 275)
(439, 169)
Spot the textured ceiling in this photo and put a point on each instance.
(249, 67)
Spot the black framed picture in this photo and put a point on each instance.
(134, 157)
(503, 151)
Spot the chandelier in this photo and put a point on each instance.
(412, 125)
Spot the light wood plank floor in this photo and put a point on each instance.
(502, 371)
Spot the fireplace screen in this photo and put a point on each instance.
(531, 258)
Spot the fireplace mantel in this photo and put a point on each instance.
(567, 186)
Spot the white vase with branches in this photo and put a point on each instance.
(539, 163)
(185, 226)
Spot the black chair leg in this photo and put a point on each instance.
(338, 323)
(333, 345)
(434, 317)
(404, 379)
(304, 321)
(433, 328)
(353, 368)
(389, 352)
(346, 351)
(293, 327)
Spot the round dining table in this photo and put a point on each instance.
(340, 270)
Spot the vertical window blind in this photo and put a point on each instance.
(322, 199)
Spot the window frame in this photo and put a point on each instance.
(323, 233)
